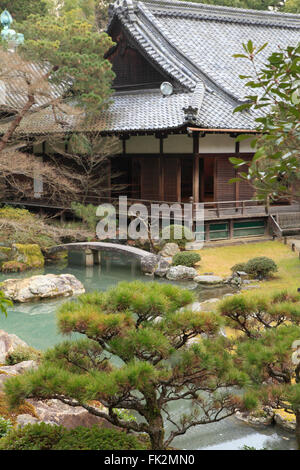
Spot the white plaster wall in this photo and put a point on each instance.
(142, 144)
(180, 143)
(216, 143)
(246, 147)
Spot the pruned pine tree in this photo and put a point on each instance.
(141, 353)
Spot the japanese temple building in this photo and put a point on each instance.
(176, 87)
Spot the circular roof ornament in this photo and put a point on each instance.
(166, 89)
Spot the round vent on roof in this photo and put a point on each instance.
(166, 89)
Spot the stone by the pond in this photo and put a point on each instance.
(21, 257)
(170, 249)
(30, 255)
(194, 307)
(286, 421)
(208, 280)
(251, 286)
(211, 301)
(181, 273)
(266, 419)
(61, 414)
(23, 420)
(8, 343)
(162, 267)
(11, 371)
(42, 287)
(149, 263)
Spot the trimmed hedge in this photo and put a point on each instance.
(186, 258)
(261, 267)
(239, 267)
(42, 436)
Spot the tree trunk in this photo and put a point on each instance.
(156, 433)
(298, 428)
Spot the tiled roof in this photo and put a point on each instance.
(13, 90)
(194, 44)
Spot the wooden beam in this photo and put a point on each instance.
(198, 129)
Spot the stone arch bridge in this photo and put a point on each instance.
(92, 253)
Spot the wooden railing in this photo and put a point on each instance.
(212, 210)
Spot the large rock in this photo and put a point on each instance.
(149, 263)
(8, 343)
(30, 255)
(162, 267)
(11, 371)
(23, 420)
(285, 420)
(169, 250)
(47, 286)
(58, 413)
(181, 273)
(208, 280)
(21, 257)
(265, 418)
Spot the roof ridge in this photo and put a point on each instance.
(217, 12)
(234, 11)
(193, 68)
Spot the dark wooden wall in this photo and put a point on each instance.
(129, 65)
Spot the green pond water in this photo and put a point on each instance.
(35, 323)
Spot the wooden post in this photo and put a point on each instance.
(196, 167)
(207, 232)
(161, 169)
(231, 229)
(178, 180)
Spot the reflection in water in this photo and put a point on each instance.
(35, 323)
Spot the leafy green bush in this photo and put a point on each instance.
(239, 267)
(22, 353)
(38, 436)
(97, 439)
(43, 436)
(5, 426)
(186, 258)
(261, 267)
(177, 234)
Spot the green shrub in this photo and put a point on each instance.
(43, 436)
(5, 426)
(239, 267)
(177, 234)
(97, 439)
(38, 436)
(22, 353)
(261, 267)
(186, 258)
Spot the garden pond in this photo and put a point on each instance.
(35, 323)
